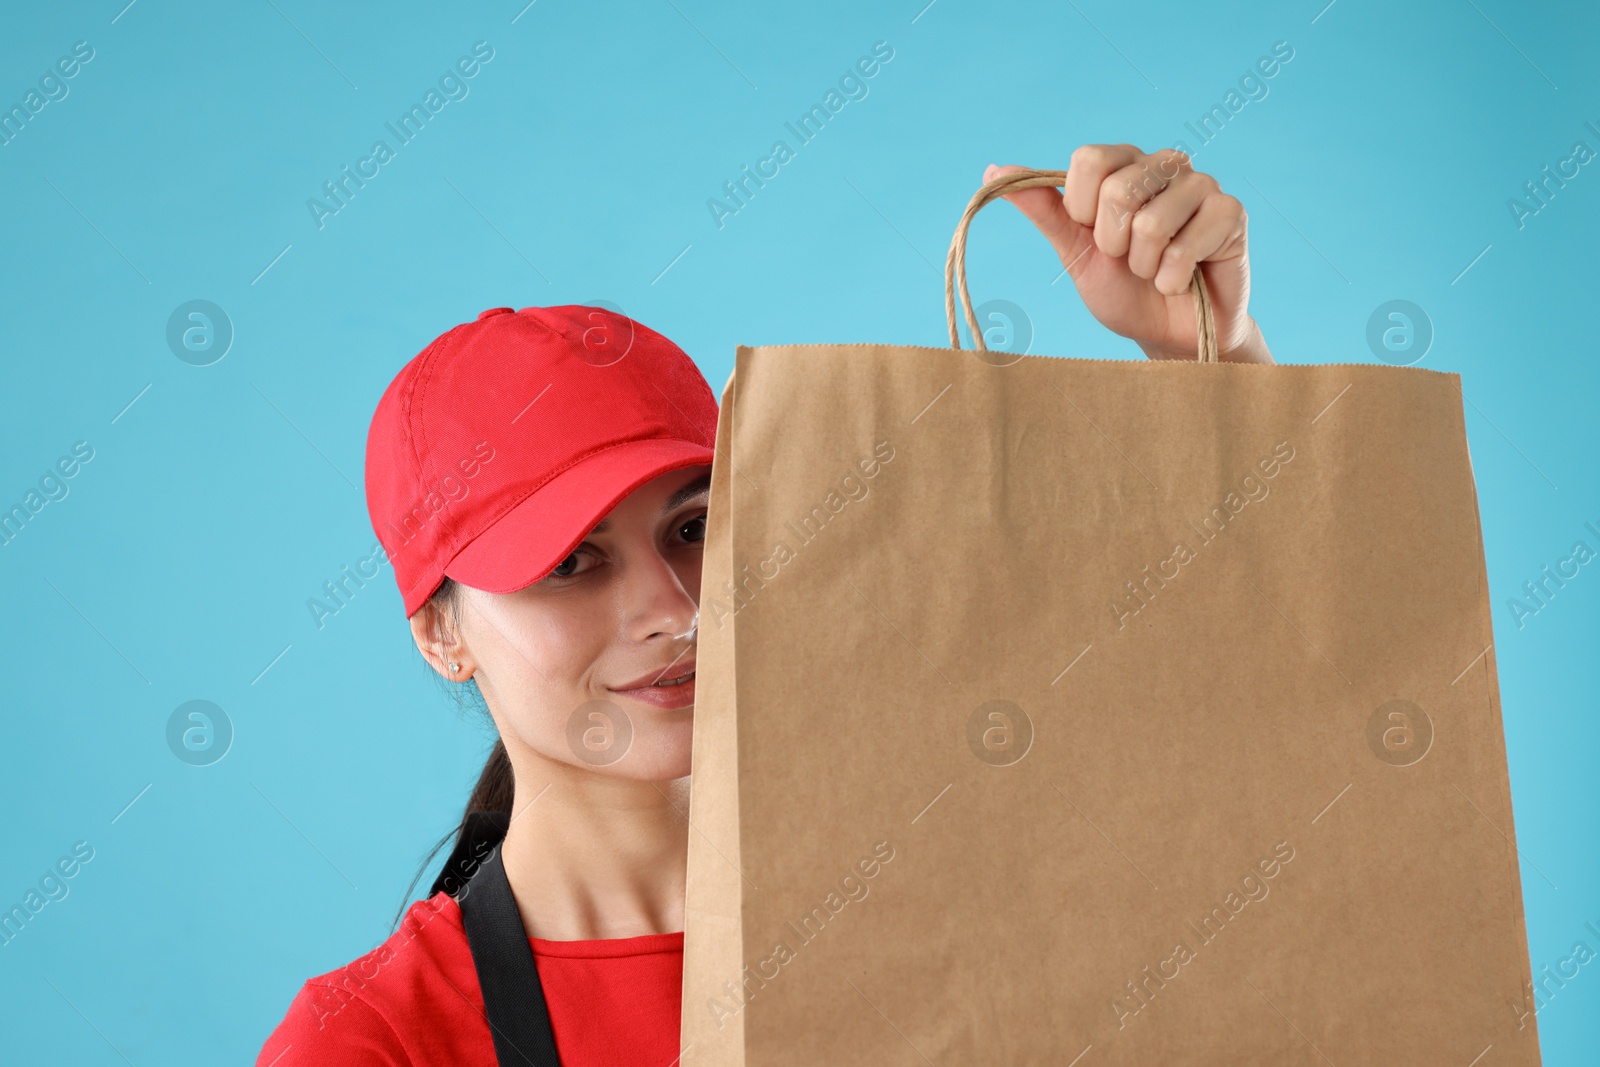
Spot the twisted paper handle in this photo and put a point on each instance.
(955, 265)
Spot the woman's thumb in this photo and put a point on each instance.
(1040, 205)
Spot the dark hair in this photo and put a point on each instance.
(493, 793)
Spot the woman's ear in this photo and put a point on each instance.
(439, 642)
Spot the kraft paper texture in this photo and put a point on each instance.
(1097, 712)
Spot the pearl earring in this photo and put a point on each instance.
(455, 667)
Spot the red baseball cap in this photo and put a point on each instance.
(497, 449)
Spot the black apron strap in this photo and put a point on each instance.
(480, 832)
(512, 996)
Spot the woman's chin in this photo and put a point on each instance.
(658, 751)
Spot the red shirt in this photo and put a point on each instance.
(415, 1001)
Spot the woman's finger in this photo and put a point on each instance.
(1215, 232)
(1146, 233)
(1127, 190)
(1087, 170)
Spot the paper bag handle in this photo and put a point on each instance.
(955, 265)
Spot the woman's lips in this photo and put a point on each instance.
(664, 696)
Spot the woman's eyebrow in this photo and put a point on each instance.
(676, 500)
(687, 493)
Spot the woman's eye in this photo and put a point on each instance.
(694, 530)
(569, 566)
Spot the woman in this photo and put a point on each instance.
(538, 479)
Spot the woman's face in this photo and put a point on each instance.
(569, 665)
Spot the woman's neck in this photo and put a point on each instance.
(591, 856)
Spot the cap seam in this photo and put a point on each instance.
(415, 401)
(425, 474)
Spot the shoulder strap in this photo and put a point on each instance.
(512, 997)
(480, 832)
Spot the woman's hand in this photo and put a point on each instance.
(1129, 228)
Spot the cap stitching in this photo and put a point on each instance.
(416, 432)
(412, 420)
(421, 434)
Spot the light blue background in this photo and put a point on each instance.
(1378, 167)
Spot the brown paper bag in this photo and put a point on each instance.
(1090, 712)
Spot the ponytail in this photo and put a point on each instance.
(496, 783)
(494, 788)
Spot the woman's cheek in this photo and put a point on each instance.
(564, 648)
(548, 662)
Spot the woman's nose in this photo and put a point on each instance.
(658, 603)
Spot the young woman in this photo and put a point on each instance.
(538, 480)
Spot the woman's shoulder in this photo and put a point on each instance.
(412, 1000)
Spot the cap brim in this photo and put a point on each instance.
(531, 539)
